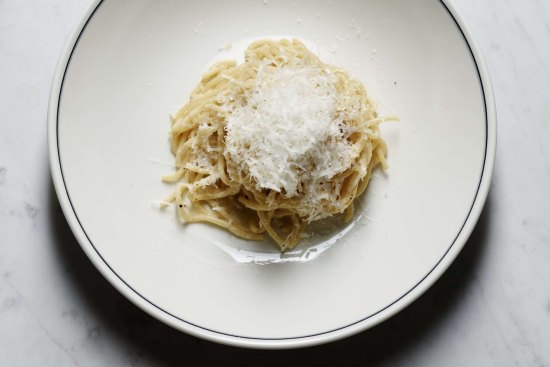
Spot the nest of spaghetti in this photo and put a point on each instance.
(265, 147)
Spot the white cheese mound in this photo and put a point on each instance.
(288, 134)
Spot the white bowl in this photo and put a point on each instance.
(130, 64)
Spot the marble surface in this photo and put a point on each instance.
(492, 307)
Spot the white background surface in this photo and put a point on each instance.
(491, 308)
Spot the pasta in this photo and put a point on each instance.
(267, 146)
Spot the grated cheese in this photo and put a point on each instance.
(289, 134)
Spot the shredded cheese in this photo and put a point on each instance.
(289, 135)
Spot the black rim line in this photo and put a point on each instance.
(287, 338)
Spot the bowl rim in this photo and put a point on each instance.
(280, 343)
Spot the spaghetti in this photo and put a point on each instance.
(274, 143)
